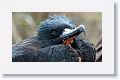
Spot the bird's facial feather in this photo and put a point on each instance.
(54, 26)
(51, 30)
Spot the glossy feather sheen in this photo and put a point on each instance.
(45, 48)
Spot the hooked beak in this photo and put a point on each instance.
(82, 29)
(69, 34)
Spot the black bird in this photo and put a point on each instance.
(56, 41)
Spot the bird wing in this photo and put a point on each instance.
(86, 50)
(28, 51)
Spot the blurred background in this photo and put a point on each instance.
(24, 24)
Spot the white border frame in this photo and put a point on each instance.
(104, 6)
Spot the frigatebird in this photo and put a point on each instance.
(56, 41)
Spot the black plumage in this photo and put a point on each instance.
(47, 46)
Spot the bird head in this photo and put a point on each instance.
(58, 30)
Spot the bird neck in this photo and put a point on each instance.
(45, 41)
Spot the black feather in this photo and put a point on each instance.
(48, 47)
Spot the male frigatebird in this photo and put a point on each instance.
(56, 41)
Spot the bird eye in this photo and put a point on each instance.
(54, 33)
